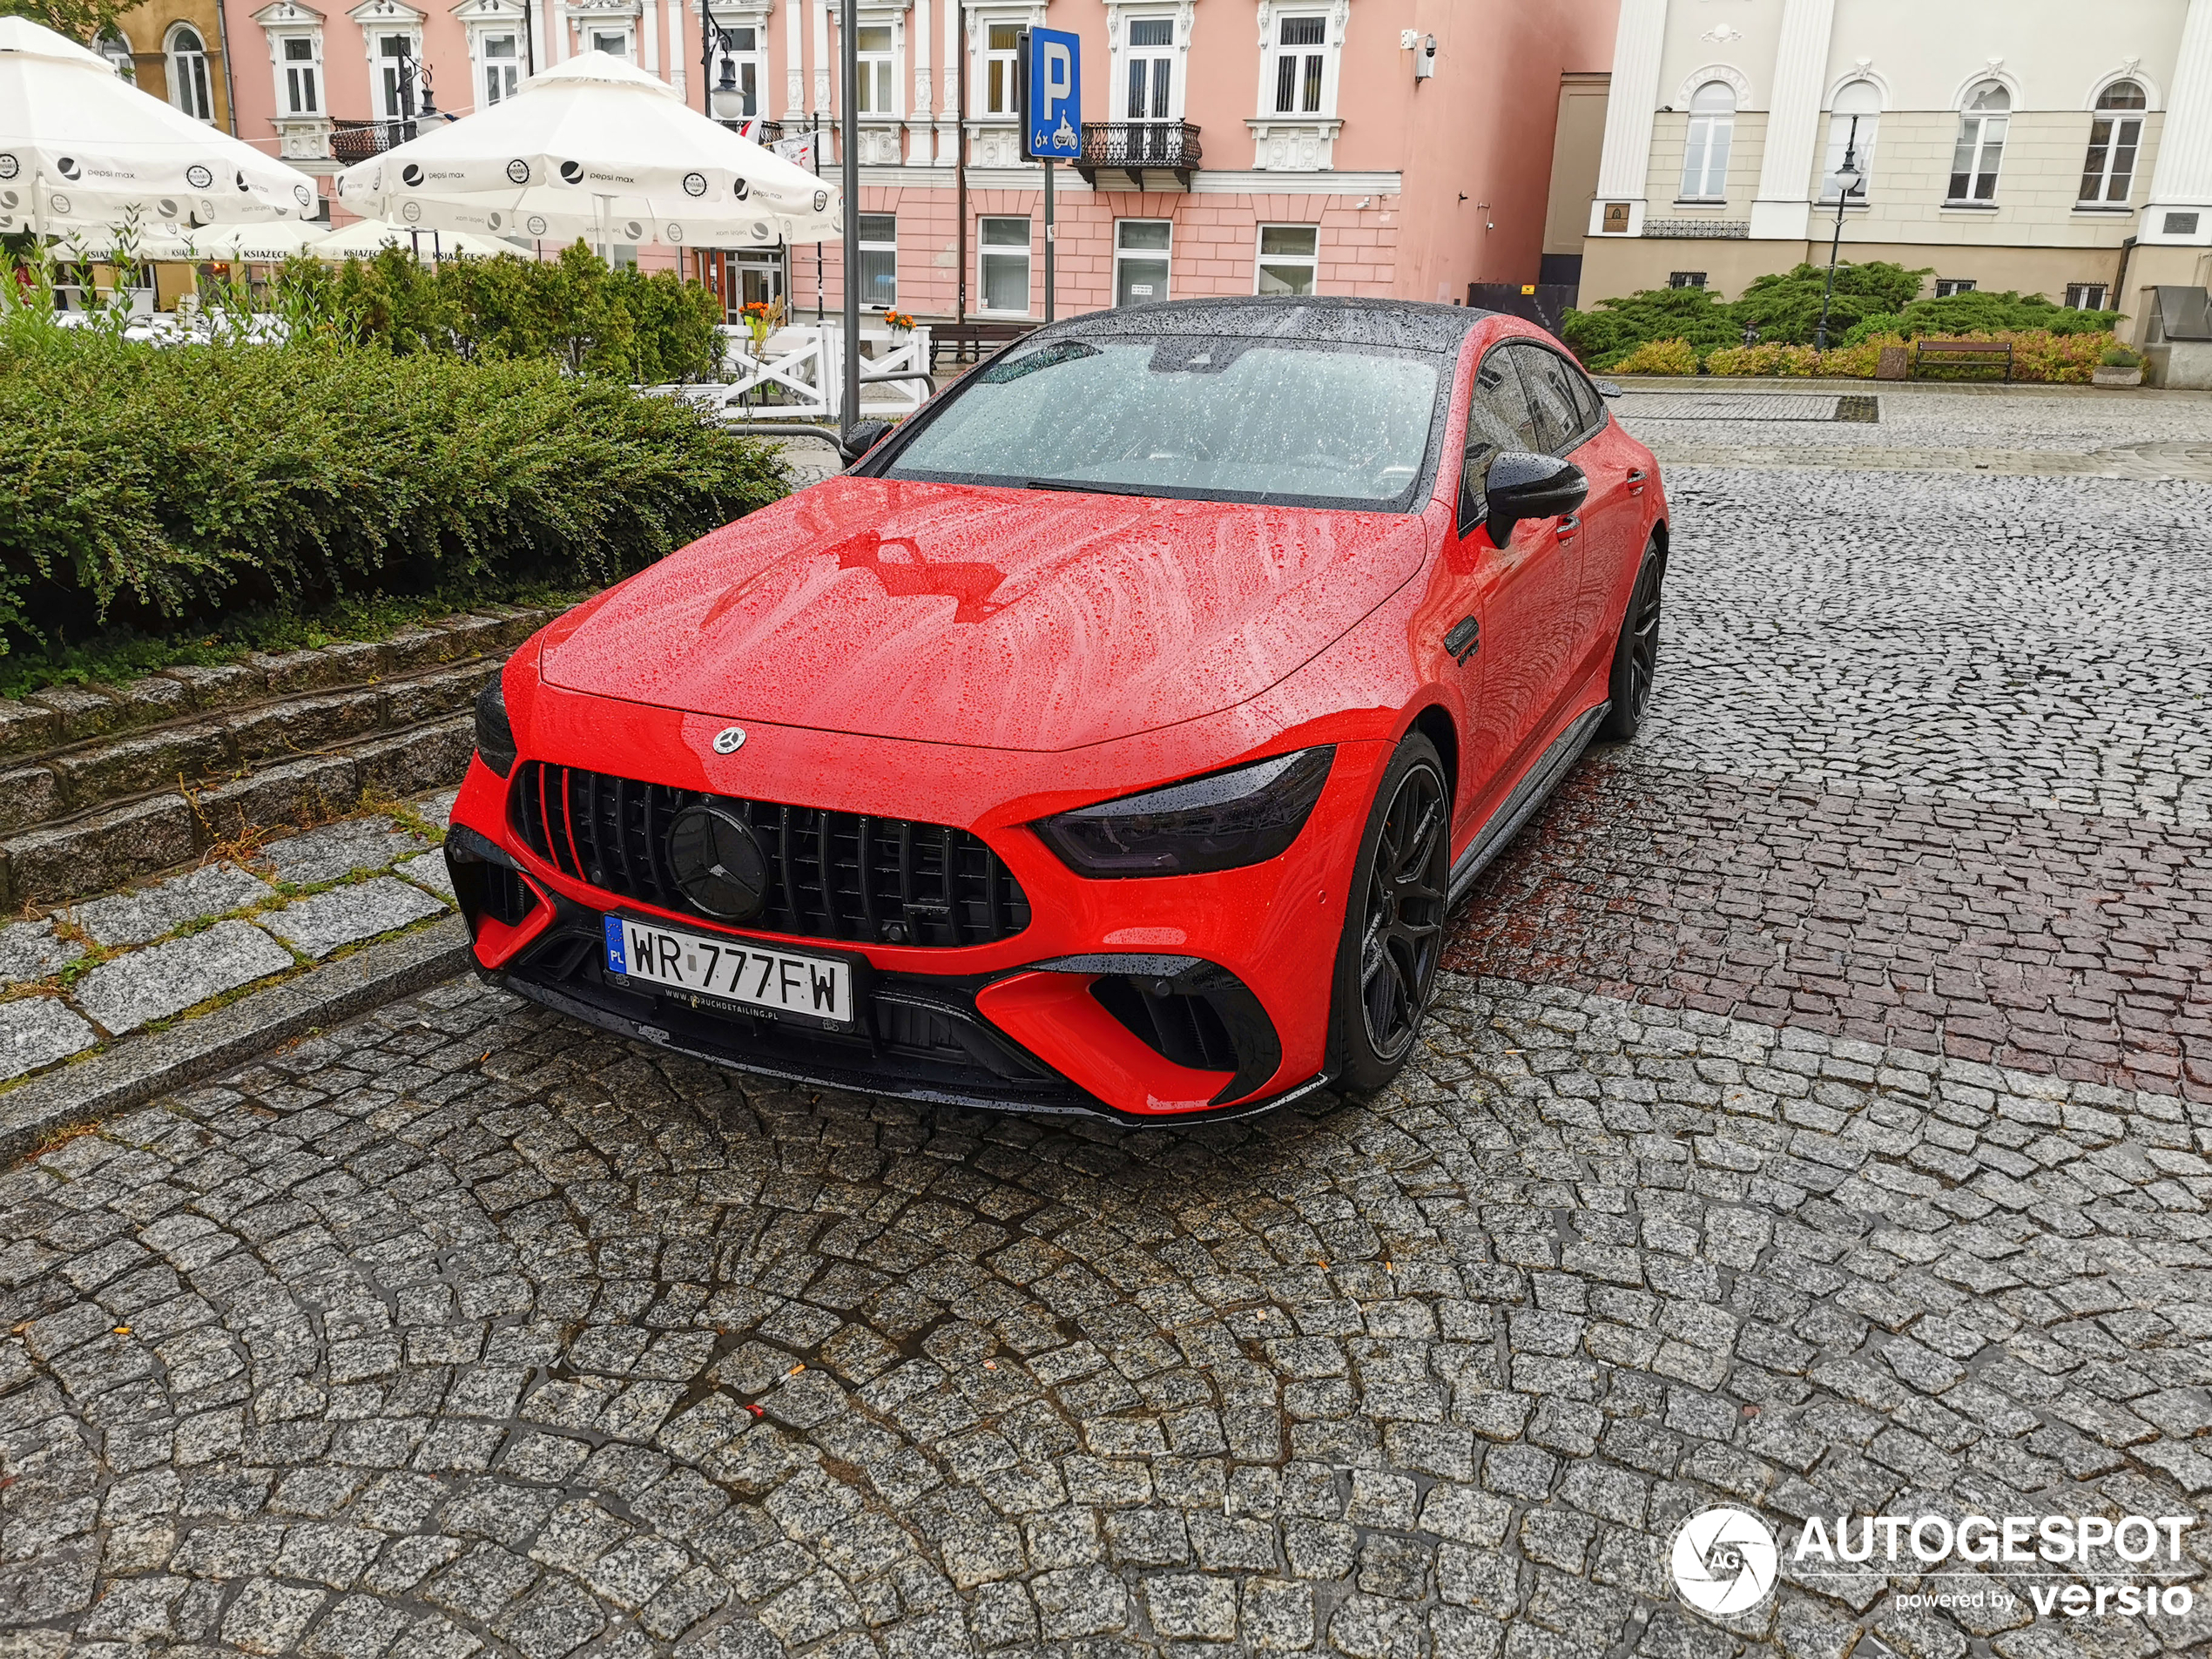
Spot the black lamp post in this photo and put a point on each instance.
(1847, 183)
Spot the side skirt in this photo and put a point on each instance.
(1520, 806)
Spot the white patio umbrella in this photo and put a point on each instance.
(364, 236)
(265, 244)
(596, 149)
(82, 149)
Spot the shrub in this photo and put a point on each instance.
(1979, 315)
(1603, 338)
(151, 488)
(2121, 357)
(1784, 306)
(1764, 359)
(1659, 357)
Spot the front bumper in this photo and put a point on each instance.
(1136, 999)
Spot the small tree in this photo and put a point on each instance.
(83, 20)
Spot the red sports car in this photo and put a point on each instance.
(1114, 737)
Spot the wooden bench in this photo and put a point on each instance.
(966, 342)
(1964, 354)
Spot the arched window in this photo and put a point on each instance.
(1851, 122)
(1981, 143)
(2115, 135)
(117, 51)
(189, 88)
(1712, 131)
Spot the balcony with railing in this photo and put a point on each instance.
(1139, 155)
(352, 141)
(754, 128)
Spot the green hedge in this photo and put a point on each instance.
(1783, 308)
(148, 488)
(648, 328)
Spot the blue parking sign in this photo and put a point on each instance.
(1056, 113)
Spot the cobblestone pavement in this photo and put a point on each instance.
(1812, 1131)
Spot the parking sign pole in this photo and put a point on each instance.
(1048, 238)
(848, 98)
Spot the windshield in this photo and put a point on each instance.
(1205, 417)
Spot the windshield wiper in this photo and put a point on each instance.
(1085, 489)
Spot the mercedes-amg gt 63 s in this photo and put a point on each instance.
(1113, 736)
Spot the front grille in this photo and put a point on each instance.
(832, 876)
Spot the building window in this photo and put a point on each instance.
(117, 51)
(1151, 67)
(613, 42)
(395, 74)
(499, 67)
(1685, 279)
(2086, 296)
(1981, 143)
(1857, 112)
(189, 89)
(878, 246)
(998, 79)
(737, 72)
(1712, 134)
(875, 77)
(1003, 249)
(2114, 136)
(299, 76)
(1141, 249)
(1290, 255)
(1945, 286)
(1301, 61)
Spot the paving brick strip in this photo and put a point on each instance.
(2046, 942)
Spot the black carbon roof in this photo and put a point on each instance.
(1334, 318)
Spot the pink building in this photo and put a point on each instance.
(1319, 145)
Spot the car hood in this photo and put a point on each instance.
(1014, 619)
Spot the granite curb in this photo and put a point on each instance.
(140, 1068)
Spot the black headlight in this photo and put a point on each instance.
(1221, 821)
(495, 734)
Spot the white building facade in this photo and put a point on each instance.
(2004, 144)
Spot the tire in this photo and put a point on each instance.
(1393, 927)
(1635, 655)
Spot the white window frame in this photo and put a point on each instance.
(192, 80)
(1119, 16)
(1945, 286)
(985, 251)
(1008, 59)
(1311, 262)
(863, 244)
(1165, 256)
(1985, 154)
(876, 74)
(2124, 131)
(1708, 146)
(381, 20)
(1862, 99)
(296, 71)
(1301, 56)
(591, 31)
(729, 103)
(115, 47)
(2079, 293)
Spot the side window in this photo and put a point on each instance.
(1498, 418)
(1551, 391)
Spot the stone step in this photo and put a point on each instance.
(89, 815)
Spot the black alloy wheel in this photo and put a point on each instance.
(1393, 936)
(1635, 657)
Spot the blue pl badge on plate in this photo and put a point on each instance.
(1056, 114)
(617, 961)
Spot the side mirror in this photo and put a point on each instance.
(1607, 388)
(864, 436)
(1519, 485)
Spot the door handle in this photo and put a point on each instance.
(1464, 640)
(1568, 527)
(1636, 476)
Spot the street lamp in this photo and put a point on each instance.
(1847, 182)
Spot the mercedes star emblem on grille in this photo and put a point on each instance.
(717, 863)
(729, 740)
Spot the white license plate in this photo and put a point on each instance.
(731, 970)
